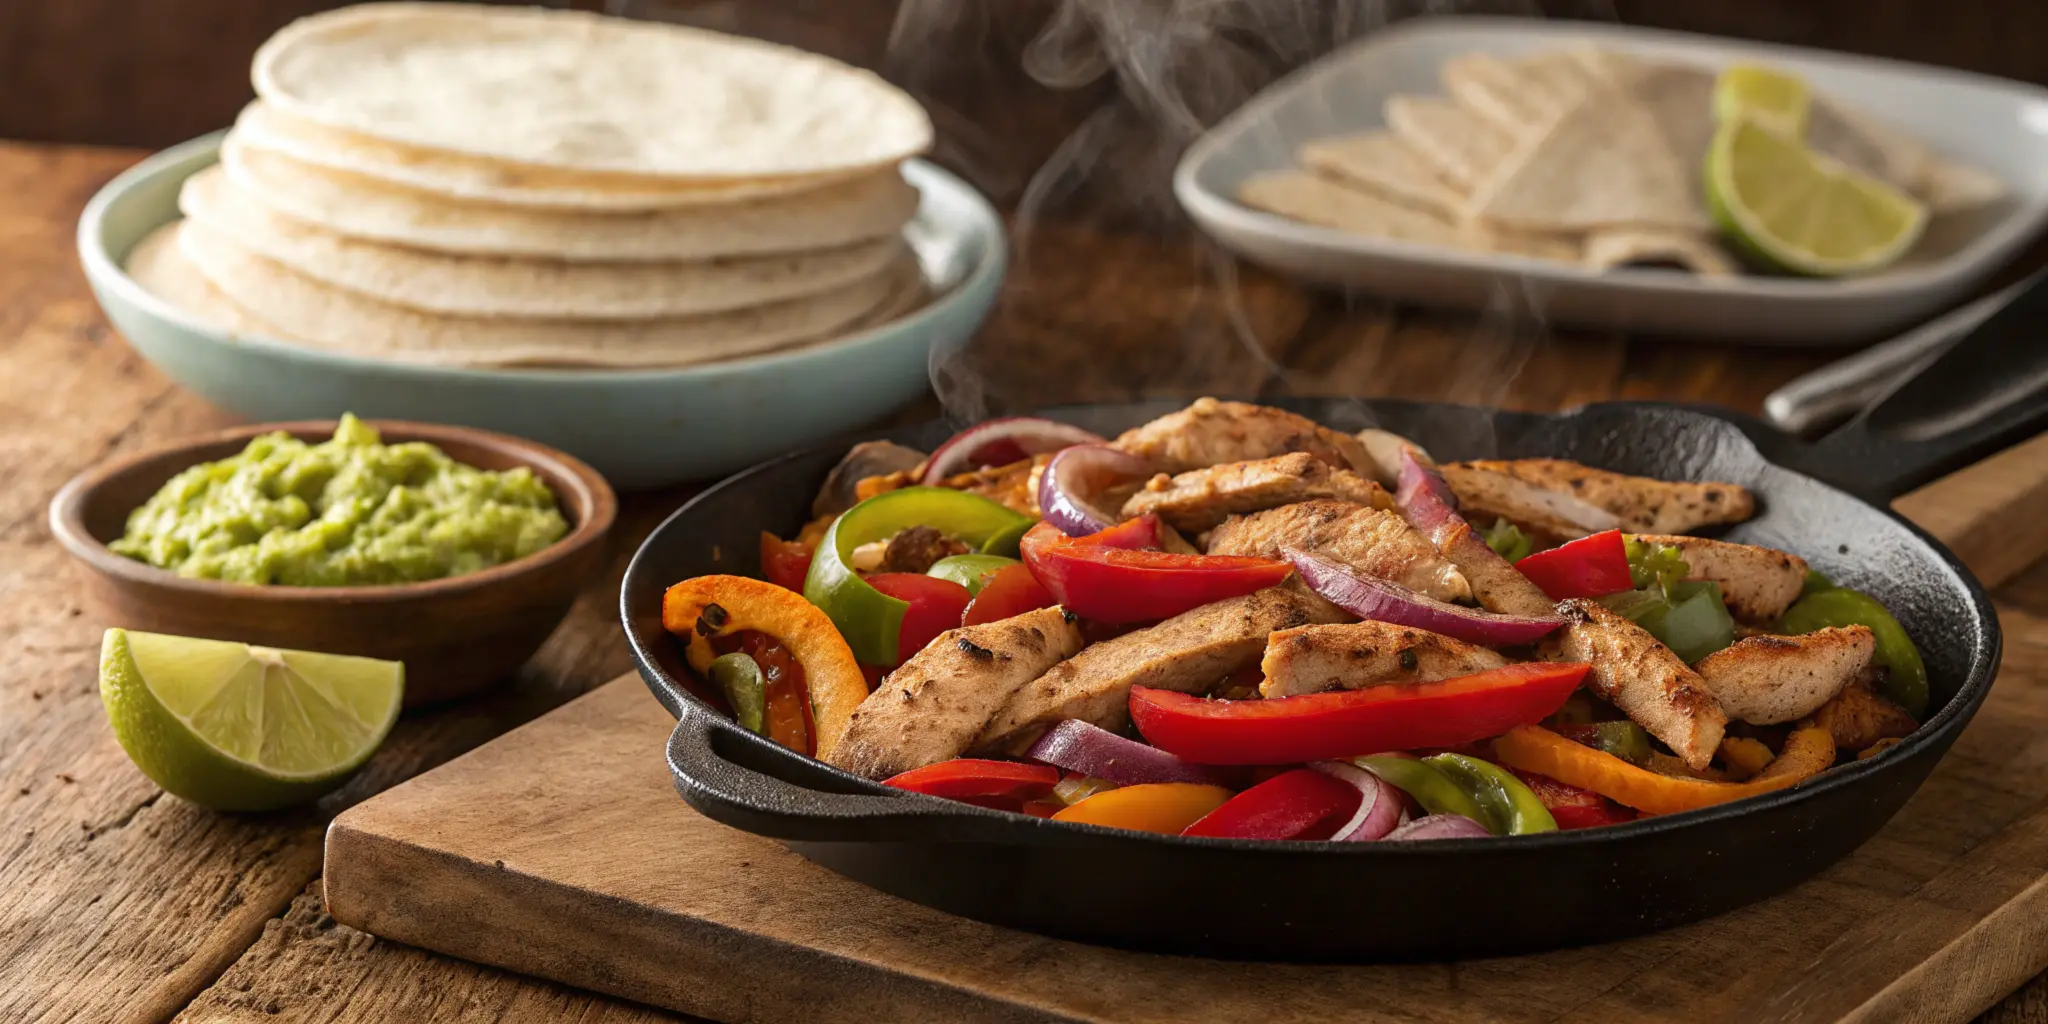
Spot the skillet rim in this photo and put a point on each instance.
(1940, 730)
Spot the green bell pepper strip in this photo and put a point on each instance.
(1004, 542)
(1905, 680)
(1508, 541)
(1431, 788)
(1690, 617)
(1625, 740)
(1816, 581)
(1654, 566)
(970, 571)
(746, 689)
(1507, 807)
(869, 619)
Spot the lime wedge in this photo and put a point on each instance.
(1794, 210)
(237, 727)
(1772, 97)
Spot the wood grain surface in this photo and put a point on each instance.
(118, 904)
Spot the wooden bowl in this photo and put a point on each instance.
(456, 635)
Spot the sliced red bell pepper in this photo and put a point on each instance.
(1299, 804)
(1117, 584)
(935, 607)
(1573, 807)
(1348, 723)
(1011, 591)
(1593, 566)
(967, 778)
(784, 562)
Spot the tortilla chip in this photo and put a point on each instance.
(1328, 203)
(1524, 97)
(1603, 164)
(1380, 163)
(1320, 201)
(1950, 187)
(1464, 147)
(1629, 245)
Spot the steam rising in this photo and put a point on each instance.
(1178, 67)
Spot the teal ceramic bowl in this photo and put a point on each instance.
(640, 428)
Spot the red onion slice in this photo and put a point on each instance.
(1094, 751)
(1439, 826)
(1066, 495)
(1431, 507)
(1378, 814)
(1016, 437)
(1381, 601)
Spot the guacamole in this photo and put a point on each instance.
(350, 511)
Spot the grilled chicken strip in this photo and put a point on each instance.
(1199, 499)
(1374, 542)
(1185, 653)
(1858, 717)
(1639, 675)
(1210, 433)
(934, 705)
(1355, 655)
(1757, 583)
(1485, 494)
(1643, 505)
(1764, 680)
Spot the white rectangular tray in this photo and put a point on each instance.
(1996, 125)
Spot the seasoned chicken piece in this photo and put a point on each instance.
(1639, 675)
(1199, 499)
(1765, 680)
(1858, 718)
(862, 461)
(1384, 449)
(1376, 543)
(1355, 655)
(1485, 495)
(1185, 653)
(1642, 504)
(1210, 433)
(1757, 583)
(934, 705)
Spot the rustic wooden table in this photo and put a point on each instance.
(118, 905)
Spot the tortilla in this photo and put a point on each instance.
(1622, 246)
(322, 316)
(1603, 164)
(1463, 147)
(576, 91)
(497, 286)
(262, 128)
(1320, 201)
(158, 264)
(1949, 187)
(834, 215)
(1380, 163)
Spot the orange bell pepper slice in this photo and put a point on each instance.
(697, 609)
(1532, 749)
(1165, 807)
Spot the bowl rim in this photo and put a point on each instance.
(590, 498)
(977, 221)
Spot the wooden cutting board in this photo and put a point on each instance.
(561, 850)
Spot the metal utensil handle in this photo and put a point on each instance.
(1841, 389)
(824, 810)
(1984, 393)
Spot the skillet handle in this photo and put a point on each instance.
(1988, 392)
(742, 780)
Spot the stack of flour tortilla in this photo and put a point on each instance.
(1581, 155)
(503, 187)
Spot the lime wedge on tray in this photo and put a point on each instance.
(237, 727)
(1777, 99)
(1797, 211)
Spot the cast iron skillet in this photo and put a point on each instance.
(1427, 900)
